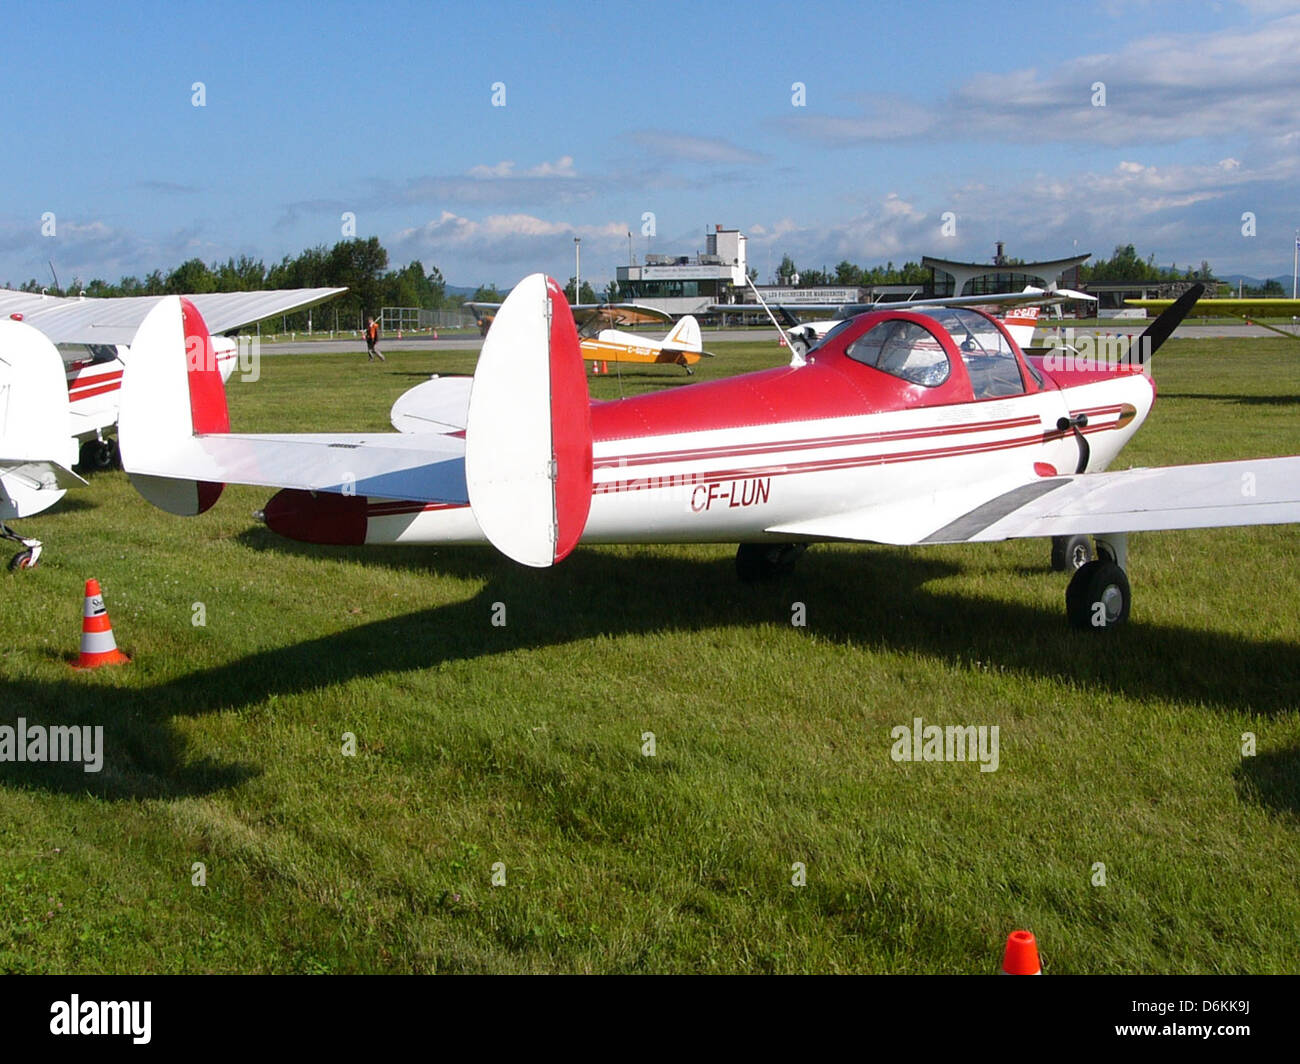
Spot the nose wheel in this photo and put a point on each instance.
(28, 556)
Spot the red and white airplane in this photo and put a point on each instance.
(905, 427)
(93, 336)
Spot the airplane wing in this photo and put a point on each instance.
(1041, 297)
(1245, 308)
(1264, 491)
(615, 314)
(604, 314)
(1249, 310)
(114, 320)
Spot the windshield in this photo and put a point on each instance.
(990, 361)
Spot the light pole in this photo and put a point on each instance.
(1295, 261)
(577, 269)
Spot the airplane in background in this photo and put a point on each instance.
(1020, 313)
(602, 342)
(1248, 310)
(908, 426)
(37, 452)
(93, 336)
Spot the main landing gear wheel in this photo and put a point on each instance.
(1098, 596)
(1071, 553)
(99, 455)
(766, 561)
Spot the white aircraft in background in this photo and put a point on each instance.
(802, 337)
(61, 366)
(36, 450)
(907, 426)
(93, 337)
(683, 346)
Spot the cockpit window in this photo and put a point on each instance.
(903, 349)
(990, 361)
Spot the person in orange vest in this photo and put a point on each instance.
(372, 339)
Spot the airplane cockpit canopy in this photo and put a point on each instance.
(914, 352)
(902, 349)
(989, 357)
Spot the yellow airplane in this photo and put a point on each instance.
(602, 342)
(1248, 310)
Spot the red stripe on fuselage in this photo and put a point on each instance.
(813, 443)
(90, 393)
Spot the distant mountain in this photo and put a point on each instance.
(466, 292)
(1254, 282)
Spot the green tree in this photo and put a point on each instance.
(587, 295)
(191, 277)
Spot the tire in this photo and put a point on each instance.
(1098, 584)
(1071, 553)
(22, 560)
(98, 455)
(756, 562)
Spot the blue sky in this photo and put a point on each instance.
(684, 110)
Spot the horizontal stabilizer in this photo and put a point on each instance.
(177, 448)
(437, 405)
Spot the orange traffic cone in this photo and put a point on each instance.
(1021, 955)
(604, 367)
(98, 647)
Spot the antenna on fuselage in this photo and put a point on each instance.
(775, 324)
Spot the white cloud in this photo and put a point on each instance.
(683, 147)
(1164, 88)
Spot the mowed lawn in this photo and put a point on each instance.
(520, 747)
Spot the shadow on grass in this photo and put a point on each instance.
(874, 597)
(1272, 780)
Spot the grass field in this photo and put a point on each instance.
(523, 744)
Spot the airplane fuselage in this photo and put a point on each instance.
(728, 460)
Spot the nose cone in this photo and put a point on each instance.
(324, 517)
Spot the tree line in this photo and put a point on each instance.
(1124, 264)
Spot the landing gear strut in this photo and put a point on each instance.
(28, 556)
(766, 561)
(1098, 597)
